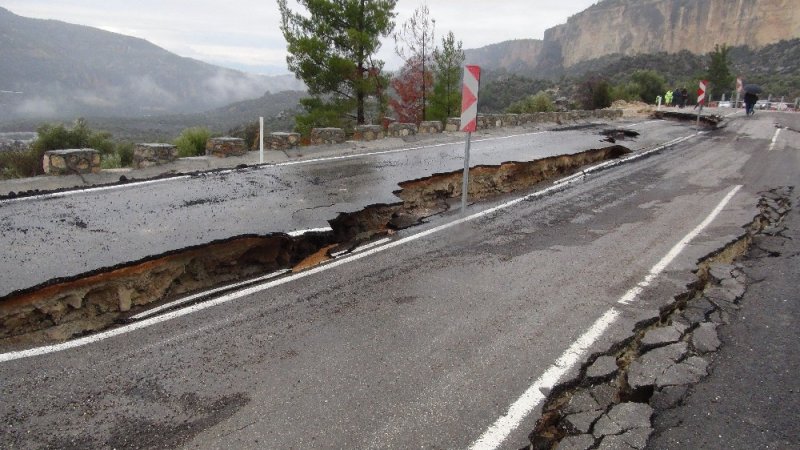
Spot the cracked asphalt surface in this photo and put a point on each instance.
(421, 345)
(752, 397)
(85, 231)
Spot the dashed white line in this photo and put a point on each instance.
(775, 139)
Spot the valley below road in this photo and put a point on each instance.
(423, 336)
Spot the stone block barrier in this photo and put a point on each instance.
(224, 147)
(431, 127)
(453, 124)
(402, 129)
(321, 136)
(150, 155)
(368, 133)
(71, 161)
(281, 141)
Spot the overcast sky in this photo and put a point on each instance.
(244, 34)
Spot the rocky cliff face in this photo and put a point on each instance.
(646, 26)
(511, 55)
(631, 27)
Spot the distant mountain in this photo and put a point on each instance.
(52, 69)
(634, 27)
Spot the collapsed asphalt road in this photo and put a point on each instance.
(82, 231)
(425, 341)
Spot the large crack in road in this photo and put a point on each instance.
(609, 403)
(64, 308)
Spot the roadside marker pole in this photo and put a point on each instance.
(469, 121)
(261, 140)
(701, 98)
(739, 89)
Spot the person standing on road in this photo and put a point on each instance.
(750, 99)
(684, 97)
(668, 98)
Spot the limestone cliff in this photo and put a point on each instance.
(511, 55)
(646, 26)
(631, 27)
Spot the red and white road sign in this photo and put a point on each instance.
(739, 85)
(701, 93)
(469, 98)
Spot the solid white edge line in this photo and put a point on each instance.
(181, 301)
(661, 265)
(258, 167)
(92, 190)
(299, 233)
(10, 356)
(389, 152)
(494, 436)
(371, 245)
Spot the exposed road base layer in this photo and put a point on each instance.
(710, 121)
(65, 308)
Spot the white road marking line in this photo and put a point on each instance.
(91, 190)
(170, 305)
(371, 245)
(259, 167)
(299, 233)
(80, 342)
(775, 139)
(361, 248)
(389, 152)
(10, 356)
(494, 436)
(677, 249)
(574, 177)
(499, 431)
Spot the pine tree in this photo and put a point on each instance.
(332, 50)
(445, 101)
(719, 72)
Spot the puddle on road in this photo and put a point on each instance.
(64, 308)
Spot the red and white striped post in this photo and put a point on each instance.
(701, 99)
(469, 121)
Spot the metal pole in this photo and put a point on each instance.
(465, 182)
(261, 139)
(699, 110)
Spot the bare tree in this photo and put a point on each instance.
(415, 42)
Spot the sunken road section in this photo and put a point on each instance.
(61, 309)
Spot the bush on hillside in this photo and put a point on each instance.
(540, 102)
(192, 141)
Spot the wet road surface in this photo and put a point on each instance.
(423, 344)
(87, 230)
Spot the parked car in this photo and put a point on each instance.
(762, 104)
(724, 105)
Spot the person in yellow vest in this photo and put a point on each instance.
(668, 98)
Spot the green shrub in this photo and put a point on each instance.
(125, 153)
(192, 141)
(540, 102)
(19, 164)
